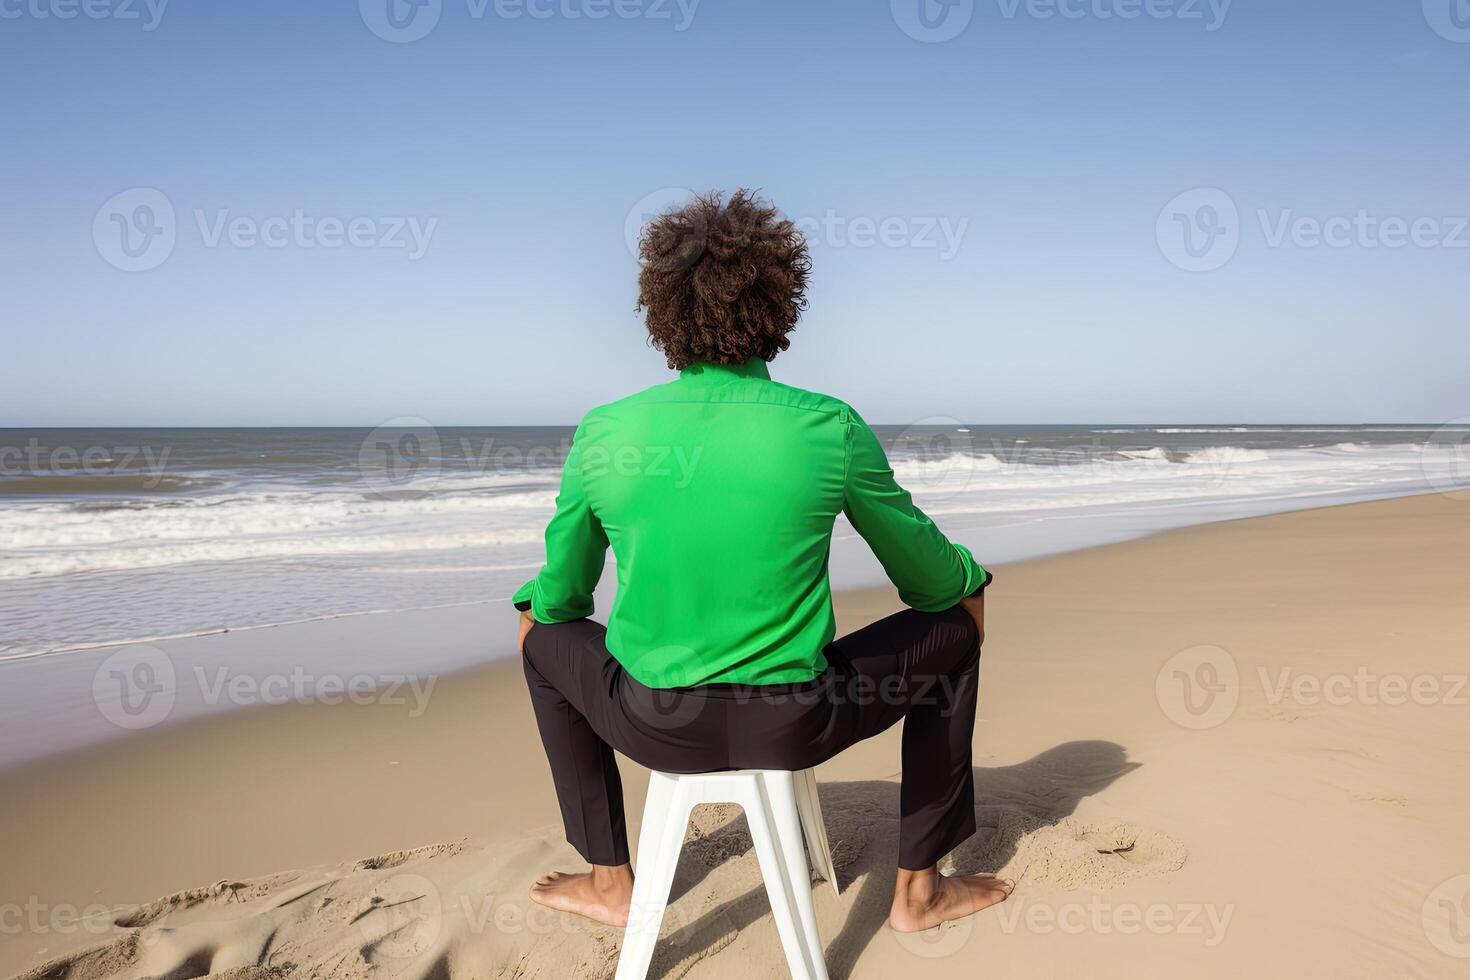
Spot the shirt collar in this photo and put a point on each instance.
(715, 373)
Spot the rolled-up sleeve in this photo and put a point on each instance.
(931, 572)
(576, 549)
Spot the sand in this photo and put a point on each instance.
(1232, 750)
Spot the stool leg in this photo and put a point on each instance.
(665, 817)
(809, 806)
(776, 830)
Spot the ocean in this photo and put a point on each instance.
(110, 536)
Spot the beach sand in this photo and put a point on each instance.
(1232, 750)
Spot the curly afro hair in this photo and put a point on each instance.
(721, 282)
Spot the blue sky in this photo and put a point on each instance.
(999, 217)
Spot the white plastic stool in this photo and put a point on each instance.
(778, 807)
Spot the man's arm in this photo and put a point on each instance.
(576, 547)
(931, 572)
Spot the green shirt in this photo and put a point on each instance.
(718, 492)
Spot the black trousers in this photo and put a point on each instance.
(914, 665)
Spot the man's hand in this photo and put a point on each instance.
(975, 606)
(527, 621)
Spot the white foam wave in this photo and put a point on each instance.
(1227, 456)
(159, 556)
(62, 525)
(506, 517)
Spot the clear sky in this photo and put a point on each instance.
(993, 189)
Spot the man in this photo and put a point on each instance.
(717, 493)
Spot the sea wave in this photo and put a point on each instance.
(47, 484)
(67, 525)
(227, 550)
(505, 514)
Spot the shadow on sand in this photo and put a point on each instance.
(862, 819)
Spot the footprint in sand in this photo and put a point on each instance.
(1071, 852)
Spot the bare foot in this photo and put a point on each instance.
(924, 899)
(602, 894)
